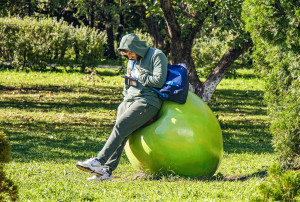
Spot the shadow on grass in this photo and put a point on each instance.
(60, 89)
(173, 178)
(245, 131)
(35, 98)
(54, 140)
(45, 141)
(246, 101)
(259, 174)
(106, 71)
(59, 106)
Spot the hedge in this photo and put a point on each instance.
(275, 30)
(34, 43)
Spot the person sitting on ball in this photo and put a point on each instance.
(146, 67)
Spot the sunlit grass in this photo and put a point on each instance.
(55, 119)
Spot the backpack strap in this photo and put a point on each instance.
(164, 95)
(133, 69)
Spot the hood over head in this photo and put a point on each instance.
(132, 43)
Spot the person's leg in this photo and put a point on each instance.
(137, 114)
(131, 116)
(122, 108)
(112, 163)
(93, 165)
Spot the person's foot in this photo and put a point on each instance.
(91, 165)
(105, 177)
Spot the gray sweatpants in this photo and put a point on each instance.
(130, 117)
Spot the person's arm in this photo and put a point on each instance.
(158, 77)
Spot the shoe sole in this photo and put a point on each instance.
(97, 179)
(86, 169)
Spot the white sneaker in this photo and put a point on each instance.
(91, 165)
(104, 177)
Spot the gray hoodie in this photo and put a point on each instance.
(153, 70)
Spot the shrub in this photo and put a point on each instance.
(279, 185)
(274, 28)
(8, 191)
(207, 52)
(33, 43)
(144, 36)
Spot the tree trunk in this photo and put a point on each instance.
(110, 51)
(91, 16)
(174, 31)
(181, 49)
(29, 8)
(120, 28)
(209, 86)
(159, 41)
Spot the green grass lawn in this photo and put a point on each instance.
(55, 119)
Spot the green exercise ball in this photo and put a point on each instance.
(186, 140)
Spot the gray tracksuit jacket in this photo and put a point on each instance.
(153, 70)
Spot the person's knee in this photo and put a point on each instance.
(120, 130)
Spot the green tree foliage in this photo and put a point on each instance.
(8, 191)
(17, 7)
(275, 30)
(33, 43)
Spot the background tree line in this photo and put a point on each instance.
(183, 29)
(173, 27)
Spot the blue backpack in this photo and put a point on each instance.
(176, 86)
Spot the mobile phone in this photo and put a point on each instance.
(130, 81)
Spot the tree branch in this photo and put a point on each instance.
(189, 39)
(153, 29)
(170, 18)
(219, 72)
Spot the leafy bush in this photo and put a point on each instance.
(279, 185)
(144, 36)
(33, 43)
(8, 191)
(274, 27)
(207, 52)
